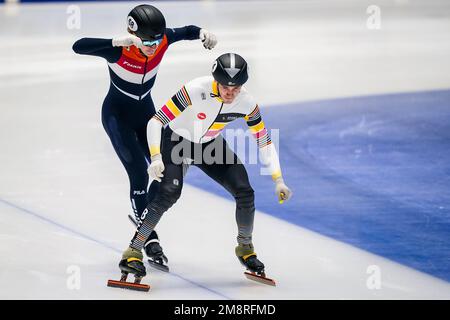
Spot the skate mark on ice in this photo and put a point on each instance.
(101, 243)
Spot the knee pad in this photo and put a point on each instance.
(171, 190)
(168, 194)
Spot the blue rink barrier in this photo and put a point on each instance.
(370, 171)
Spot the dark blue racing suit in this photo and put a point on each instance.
(128, 106)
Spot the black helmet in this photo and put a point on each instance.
(230, 69)
(146, 22)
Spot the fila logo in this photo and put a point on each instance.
(131, 65)
(201, 116)
(138, 192)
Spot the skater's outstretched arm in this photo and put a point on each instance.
(191, 33)
(172, 109)
(98, 47)
(268, 152)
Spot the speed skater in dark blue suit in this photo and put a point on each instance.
(133, 61)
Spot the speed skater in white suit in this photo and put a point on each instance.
(194, 118)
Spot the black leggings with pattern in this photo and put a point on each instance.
(215, 159)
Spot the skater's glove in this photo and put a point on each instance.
(127, 41)
(282, 190)
(156, 168)
(209, 39)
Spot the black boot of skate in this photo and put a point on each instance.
(252, 264)
(155, 254)
(131, 263)
(249, 260)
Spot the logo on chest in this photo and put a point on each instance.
(227, 117)
(201, 116)
(126, 63)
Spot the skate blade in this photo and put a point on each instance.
(128, 285)
(133, 221)
(158, 266)
(260, 279)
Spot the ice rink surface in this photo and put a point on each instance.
(364, 144)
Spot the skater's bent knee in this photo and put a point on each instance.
(168, 194)
(170, 190)
(245, 198)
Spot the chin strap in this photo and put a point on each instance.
(218, 97)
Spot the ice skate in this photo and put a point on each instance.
(131, 263)
(249, 260)
(153, 250)
(156, 257)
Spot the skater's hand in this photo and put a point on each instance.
(127, 41)
(209, 39)
(282, 190)
(156, 168)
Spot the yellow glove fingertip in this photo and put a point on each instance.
(281, 197)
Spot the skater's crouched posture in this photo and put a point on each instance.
(195, 116)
